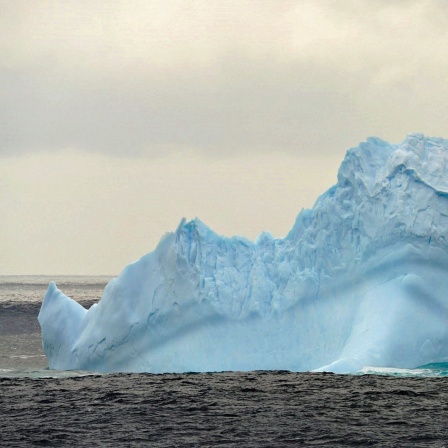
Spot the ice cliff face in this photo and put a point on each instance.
(360, 280)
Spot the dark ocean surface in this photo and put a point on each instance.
(254, 409)
(20, 299)
(40, 407)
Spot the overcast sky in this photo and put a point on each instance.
(118, 118)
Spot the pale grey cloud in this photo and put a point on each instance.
(83, 213)
(238, 112)
(222, 77)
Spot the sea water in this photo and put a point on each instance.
(21, 352)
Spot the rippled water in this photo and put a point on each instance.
(31, 288)
(252, 409)
(20, 299)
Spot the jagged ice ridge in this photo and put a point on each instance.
(360, 280)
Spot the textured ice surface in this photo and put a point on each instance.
(361, 280)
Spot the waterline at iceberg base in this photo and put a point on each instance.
(360, 280)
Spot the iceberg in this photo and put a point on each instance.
(360, 280)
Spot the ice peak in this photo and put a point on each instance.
(363, 163)
(370, 165)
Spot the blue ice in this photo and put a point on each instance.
(360, 280)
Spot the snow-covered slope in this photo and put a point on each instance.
(361, 280)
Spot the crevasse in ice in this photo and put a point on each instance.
(360, 280)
